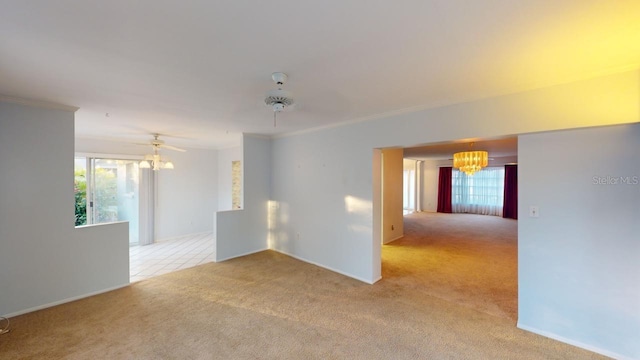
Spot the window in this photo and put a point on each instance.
(481, 193)
(107, 190)
(409, 190)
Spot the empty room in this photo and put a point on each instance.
(226, 180)
(459, 237)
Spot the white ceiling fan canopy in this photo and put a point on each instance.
(279, 99)
(156, 143)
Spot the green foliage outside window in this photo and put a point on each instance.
(80, 192)
(105, 195)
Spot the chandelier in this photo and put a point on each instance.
(470, 162)
(155, 162)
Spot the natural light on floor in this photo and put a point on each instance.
(172, 255)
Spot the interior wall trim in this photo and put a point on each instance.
(38, 103)
(579, 344)
(63, 301)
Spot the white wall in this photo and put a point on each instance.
(408, 164)
(225, 158)
(430, 177)
(186, 197)
(326, 192)
(579, 261)
(322, 183)
(245, 231)
(44, 259)
(83, 145)
(316, 183)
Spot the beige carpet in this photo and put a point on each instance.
(270, 306)
(471, 260)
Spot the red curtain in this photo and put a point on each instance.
(444, 190)
(510, 205)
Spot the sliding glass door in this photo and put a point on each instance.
(108, 190)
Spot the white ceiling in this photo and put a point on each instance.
(497, 148)
(198, 70)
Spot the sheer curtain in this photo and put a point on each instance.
(481, 193)
(147, 206)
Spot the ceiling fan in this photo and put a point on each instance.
(279, 100)
(156, 143)
(155, 161)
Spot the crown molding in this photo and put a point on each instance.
(37, 103)
(257, 136)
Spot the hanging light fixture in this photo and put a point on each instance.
(155, 162)
(470, 162)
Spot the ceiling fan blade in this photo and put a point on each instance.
(169, 147)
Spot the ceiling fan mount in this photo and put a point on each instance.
(157, 144)
(279, 100)
(279, 78)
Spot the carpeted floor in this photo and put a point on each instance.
(471, 260)
(270, 306)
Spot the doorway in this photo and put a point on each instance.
(464, 258)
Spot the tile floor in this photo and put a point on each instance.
(170, 255)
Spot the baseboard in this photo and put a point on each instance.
(328, 267)
(181, 236)
(240, 255)
(394, 239)
(553, 336)
(64, 301)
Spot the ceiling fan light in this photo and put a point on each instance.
(155, 161)
(277, 107)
